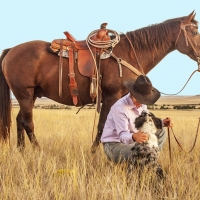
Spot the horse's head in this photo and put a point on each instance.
(188, 38)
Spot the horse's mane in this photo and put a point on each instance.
(155, 37)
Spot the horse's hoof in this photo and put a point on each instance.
(36, 148)
(21, 148)
(94, 148)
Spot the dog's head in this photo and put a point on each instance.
(141, 119)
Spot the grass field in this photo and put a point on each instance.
(66, 169)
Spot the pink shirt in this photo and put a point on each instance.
(119, 125)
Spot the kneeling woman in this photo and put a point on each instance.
(120, 134)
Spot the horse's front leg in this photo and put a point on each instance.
(106, 105)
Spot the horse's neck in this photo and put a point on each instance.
(149, 62)
(148, 58)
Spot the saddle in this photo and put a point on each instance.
(88, 54)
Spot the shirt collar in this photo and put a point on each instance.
(130, 102)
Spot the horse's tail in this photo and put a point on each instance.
(5, 104)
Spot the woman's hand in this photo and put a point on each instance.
(140, 137)
(168, 122)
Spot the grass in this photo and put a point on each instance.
(66, 169)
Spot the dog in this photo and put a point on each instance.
(146, 154)
(148, 123)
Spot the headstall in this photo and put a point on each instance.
(187, 40)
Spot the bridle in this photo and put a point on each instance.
(187, 40)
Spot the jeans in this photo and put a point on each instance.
(119, 152)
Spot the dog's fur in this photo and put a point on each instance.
(146, 154)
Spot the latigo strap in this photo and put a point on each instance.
(72, 84)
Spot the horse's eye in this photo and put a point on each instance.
(194, 32)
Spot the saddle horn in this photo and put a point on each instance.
(103, 26)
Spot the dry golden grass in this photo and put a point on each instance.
(66, 169)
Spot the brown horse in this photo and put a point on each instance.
(31, 71)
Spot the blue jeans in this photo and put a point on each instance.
(119, 152)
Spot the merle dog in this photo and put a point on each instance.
(146, 154)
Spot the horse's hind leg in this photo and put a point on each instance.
(25, 121)
(20, 132)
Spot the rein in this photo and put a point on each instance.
(187, 39)
(197, 70)
(169, 141)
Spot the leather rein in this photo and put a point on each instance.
(169, 141)
(187, 40)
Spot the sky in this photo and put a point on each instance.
(26, 20)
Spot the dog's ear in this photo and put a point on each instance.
(143, 114)
(139, 121)
(151, 114)
(157, 122)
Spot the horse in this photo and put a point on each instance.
(30, 71)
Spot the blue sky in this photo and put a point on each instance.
(26, 20)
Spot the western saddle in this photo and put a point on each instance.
(88, 53)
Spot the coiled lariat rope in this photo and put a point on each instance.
(103, 44)
(100, 45)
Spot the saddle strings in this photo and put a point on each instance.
(101, 45)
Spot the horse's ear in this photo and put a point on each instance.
(190, 17)
(194, 16)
